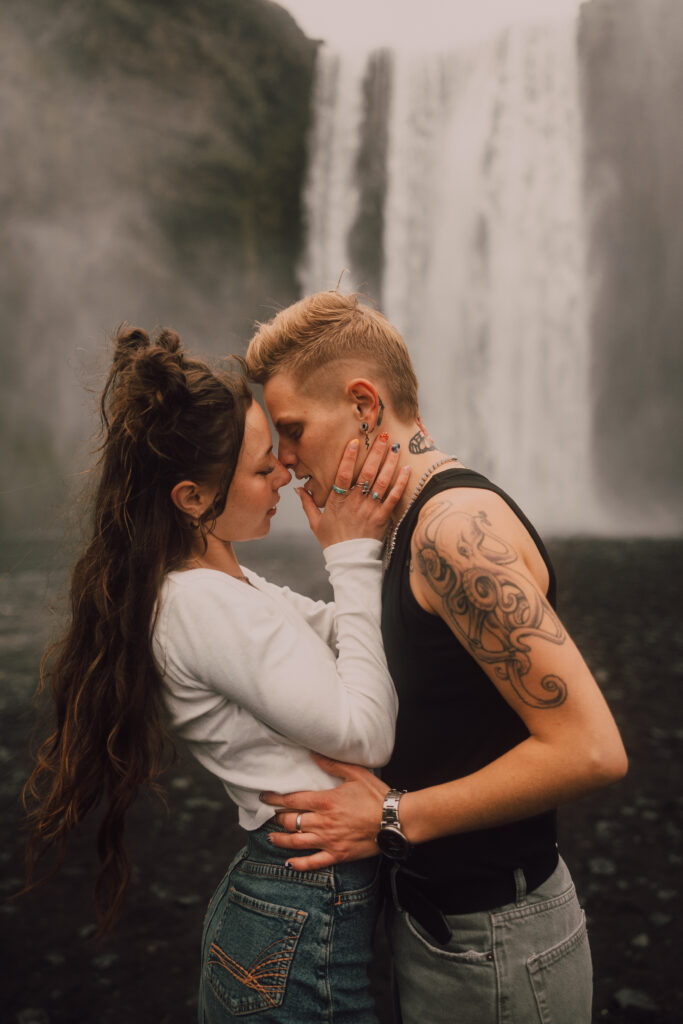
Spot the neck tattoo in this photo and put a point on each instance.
(420, 443)
(390, 539)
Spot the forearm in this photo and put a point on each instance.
(533, 777)
(355, 575)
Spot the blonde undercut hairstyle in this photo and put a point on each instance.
(323, 329)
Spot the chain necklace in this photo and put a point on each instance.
(234, 576)
(390, 542)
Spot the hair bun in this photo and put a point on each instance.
(159, 380)
(147, 385)
(169, 340)
(128, 341)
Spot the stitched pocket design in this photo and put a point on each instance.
(561, 980)
(251, 951)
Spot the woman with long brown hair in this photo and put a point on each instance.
(167, 631)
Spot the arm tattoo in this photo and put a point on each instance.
(487, 604)
(420, 443)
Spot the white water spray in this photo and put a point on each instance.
(484, 252)
(485, 261)
(330, 191)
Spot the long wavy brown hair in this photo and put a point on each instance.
(165, 418)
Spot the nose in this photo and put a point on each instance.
(285, 476)
(286, 454)
(281, 476)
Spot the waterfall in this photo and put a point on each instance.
(482, 244)
(330, 192)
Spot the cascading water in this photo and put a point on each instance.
(483, 253)
(331, 191)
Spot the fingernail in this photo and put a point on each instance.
(261, 796)
(406, 469)
(384, 436)
(354, 443)
(396, 447)
(287, 864)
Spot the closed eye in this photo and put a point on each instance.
(292, 432)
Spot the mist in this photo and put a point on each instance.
(156, 169)
(152, 157)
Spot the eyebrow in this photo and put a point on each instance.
(268, 451)
(284, 422)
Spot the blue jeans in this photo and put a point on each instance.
(524, 963)
(289, 947)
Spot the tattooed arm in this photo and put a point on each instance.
(485, 582)
(477, 581)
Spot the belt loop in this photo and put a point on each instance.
(520, 885)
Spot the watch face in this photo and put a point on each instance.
(393, 843)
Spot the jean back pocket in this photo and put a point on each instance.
(250, 951)
(561, 980)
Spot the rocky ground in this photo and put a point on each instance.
(621, 600)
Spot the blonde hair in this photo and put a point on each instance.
(325, 328)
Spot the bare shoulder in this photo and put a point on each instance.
(469, 569)
(472, 523)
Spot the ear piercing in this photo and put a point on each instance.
(366, 426)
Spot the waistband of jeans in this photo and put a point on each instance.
(429, 902)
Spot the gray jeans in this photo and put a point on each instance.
(524, 963)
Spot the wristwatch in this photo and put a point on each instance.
(390, 839)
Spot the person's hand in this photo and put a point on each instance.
(362, 510)
(340, 823)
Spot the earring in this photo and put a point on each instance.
(365, 427)
(194, 523)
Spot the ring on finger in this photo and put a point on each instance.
(298, 821)
(339, 490)
(365, 487)
(376, 496)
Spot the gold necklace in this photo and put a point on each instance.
(390, 542)
(243, 579)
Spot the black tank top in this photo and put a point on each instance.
(451, 721)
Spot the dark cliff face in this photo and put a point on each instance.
(365, 240)
(632, 76)
(153, 153)
(202, 108)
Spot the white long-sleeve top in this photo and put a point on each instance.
(253, 682)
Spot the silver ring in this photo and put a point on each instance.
(339, 490)
(376, 496)
(298, 821)
(365, 487)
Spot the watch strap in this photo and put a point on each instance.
(390, 809)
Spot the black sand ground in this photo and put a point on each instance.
(621, 601)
